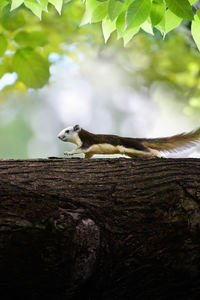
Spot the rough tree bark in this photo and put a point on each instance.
(100, 229)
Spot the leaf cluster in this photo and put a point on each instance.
(127, 17)
(36, 6)
(26, 42)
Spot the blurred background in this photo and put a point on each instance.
(150, 88)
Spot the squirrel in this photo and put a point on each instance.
(91, 144)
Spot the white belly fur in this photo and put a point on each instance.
(110, 149)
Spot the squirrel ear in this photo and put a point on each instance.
(77, 128)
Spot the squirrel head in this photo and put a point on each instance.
(69, 134)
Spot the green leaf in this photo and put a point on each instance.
(157, 11)
(3, 3)
(137, 13)
(195, 29)
(169, 22)
(161, 25)
(95, 11)
(198, 13)
(115, 8)
(90, 6)
(87, 17)
(120, 24)
(31, 39)
(16, 3)
(58, 4)
(12, 20)
(108, 27)
(44, 4)
(181, 8)
(129, 34)
(147, 28)
(192, 1)
(100, 12)
(31, 67)
(34, 6)
(3, 44)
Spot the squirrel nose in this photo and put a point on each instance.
(60, 136)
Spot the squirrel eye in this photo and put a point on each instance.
(67, 131)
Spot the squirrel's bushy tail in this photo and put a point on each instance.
(169, 144)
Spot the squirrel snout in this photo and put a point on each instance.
(60, 136)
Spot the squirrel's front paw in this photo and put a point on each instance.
(68, 153)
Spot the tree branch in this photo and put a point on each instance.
(100, 228)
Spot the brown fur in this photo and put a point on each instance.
(113, 144)
(88, 139)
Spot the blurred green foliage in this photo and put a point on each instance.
(173, 62)
(14, 137)
(26, 42)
